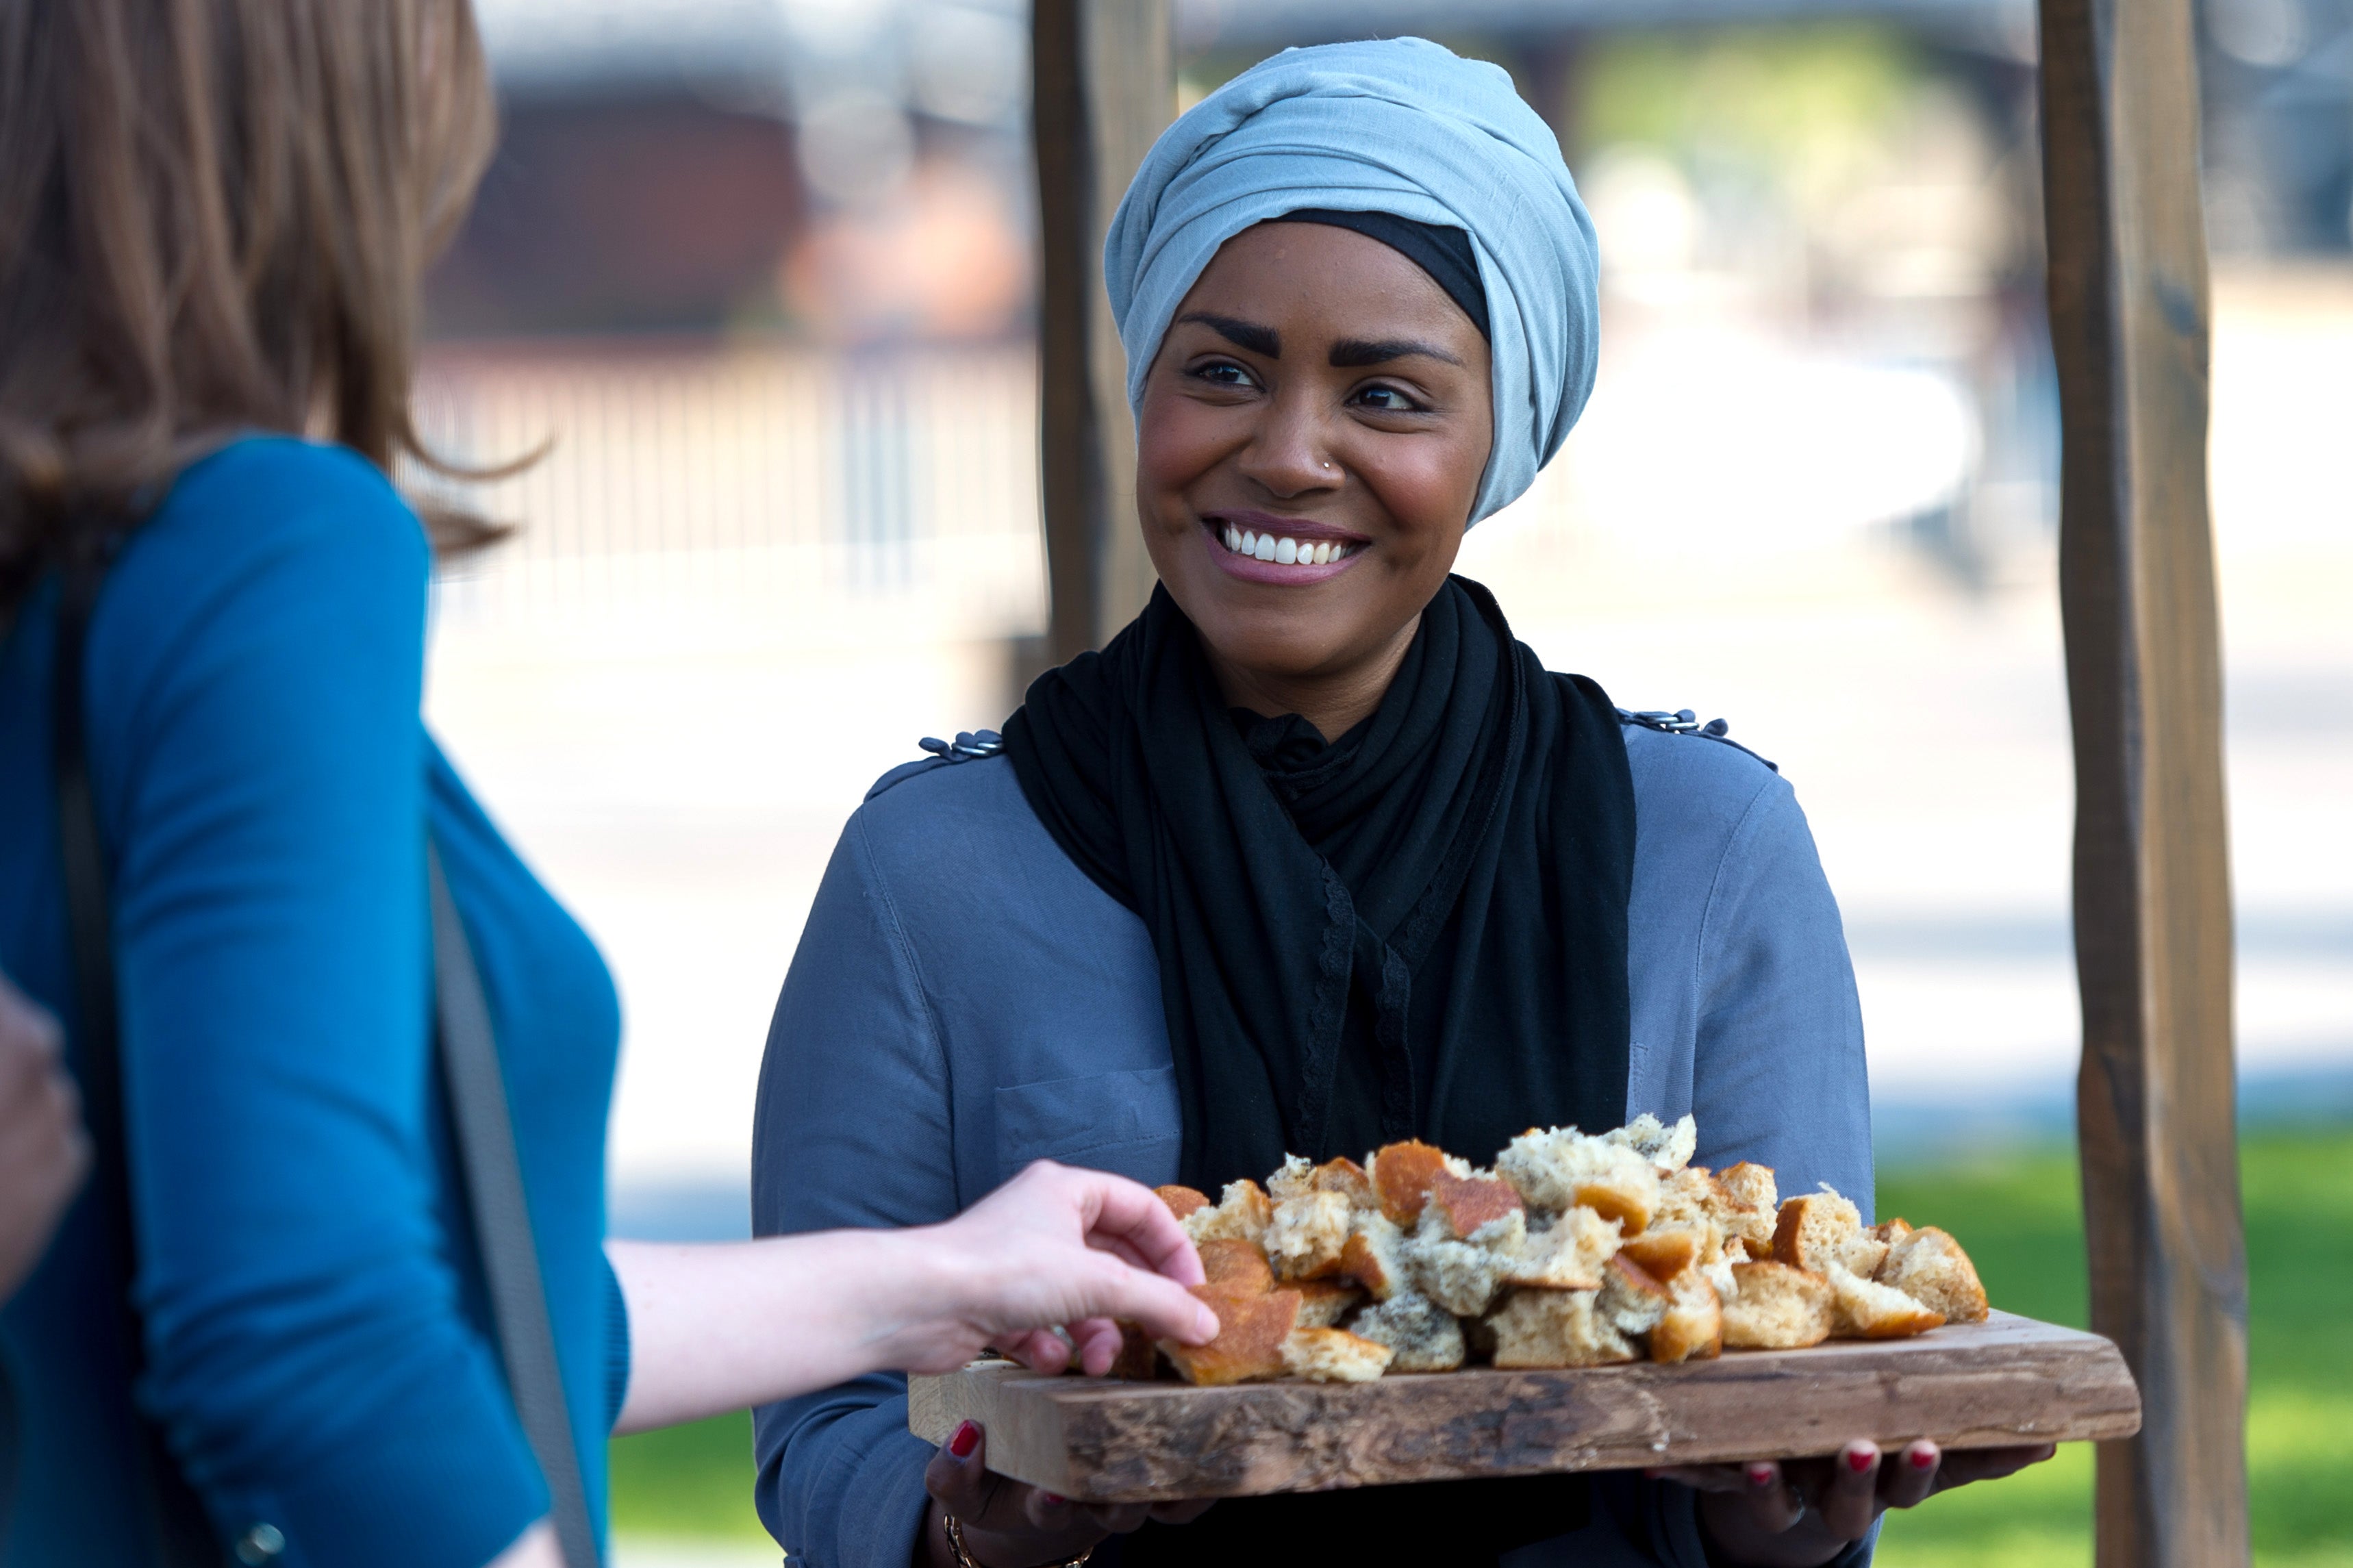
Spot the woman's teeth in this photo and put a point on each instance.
(1285, 552)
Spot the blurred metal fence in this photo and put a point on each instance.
(765, 481)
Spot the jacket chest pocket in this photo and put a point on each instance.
(1126, 1122)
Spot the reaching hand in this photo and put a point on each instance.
(1059, 1248)
(43, 1153)
(1803, 1513)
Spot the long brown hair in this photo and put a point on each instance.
(214, 216)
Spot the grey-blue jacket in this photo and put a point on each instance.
(965, 1001)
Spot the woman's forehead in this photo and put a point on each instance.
(1311, 272)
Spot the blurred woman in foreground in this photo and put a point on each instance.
(213, 218)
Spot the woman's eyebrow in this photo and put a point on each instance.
(1353, 352)
(1247, 335)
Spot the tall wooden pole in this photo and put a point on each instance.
(1104, 86)
(2153, 946)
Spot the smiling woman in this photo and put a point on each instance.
(1314, 855)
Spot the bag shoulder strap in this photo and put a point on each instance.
(502, 1230)
(468, 1063)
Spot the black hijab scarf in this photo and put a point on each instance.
(1418, 930)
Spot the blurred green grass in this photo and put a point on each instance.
(2020, 1217)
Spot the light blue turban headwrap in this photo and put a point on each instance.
(1400, 126)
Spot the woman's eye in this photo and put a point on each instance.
(1387, 400)
(1224, 372)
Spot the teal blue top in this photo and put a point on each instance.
(317, 1347)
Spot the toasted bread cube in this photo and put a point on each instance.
(1870, 1311)
(1751, 1185)
(1295, 1179)
(1929, 1266)
(1558, 1168)
(1665, 1252)
(1668, 1149)
(1777, 1308)
(1630, 1301)
(1402, 1175)
(1324, 1302)
(1251, 1331)
(1555, 1328)
(1236, 1267)
(1373, 1255)
(1747, 1206)
(1348, 1179)
(1890, 1231)
(1242, 1215)
(1462, 1275)
(1465, 1204)
(1425, 1335)
(1183, 1201)
(1568, 1255)
(1305, 1239)
(1691, 1328)
(1821, 1231)
(1334, 1355)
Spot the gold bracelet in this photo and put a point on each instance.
(965, 1558)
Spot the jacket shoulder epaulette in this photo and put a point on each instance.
(1683, 721)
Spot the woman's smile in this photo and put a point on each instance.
(1289, 552)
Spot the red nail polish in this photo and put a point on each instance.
(1924, 1458)
(965, 1440)
(1057, 1499)
(1760, 1475)
(1861, 1459)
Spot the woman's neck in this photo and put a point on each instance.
(1336, 701)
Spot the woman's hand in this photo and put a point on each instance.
(718, 1328)
(1059, 1248)
(1801, 1514)
(43, 1153)
(1008, 1524)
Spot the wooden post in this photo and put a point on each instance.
(1104, 86)
(2153, 944)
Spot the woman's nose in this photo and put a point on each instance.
(1291, 454)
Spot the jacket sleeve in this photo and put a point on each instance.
(257, 739)
(852, 1129)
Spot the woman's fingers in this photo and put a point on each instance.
(1164, 1308)
(1098, 1342)
(1129, 1219)
(1963, 1466)
(1849, 1501)
(1039, 1349)
(957, 1477)
(1910, 1475)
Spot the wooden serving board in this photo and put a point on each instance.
(1969, 1385)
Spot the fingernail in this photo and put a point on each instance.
(1860, 1458)
(1760, 1475)
(965, 1440)
(1924, 1458)
(1056, 1498)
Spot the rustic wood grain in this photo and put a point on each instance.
(1104, 87)
(2128, 318)
(2009, 1380)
